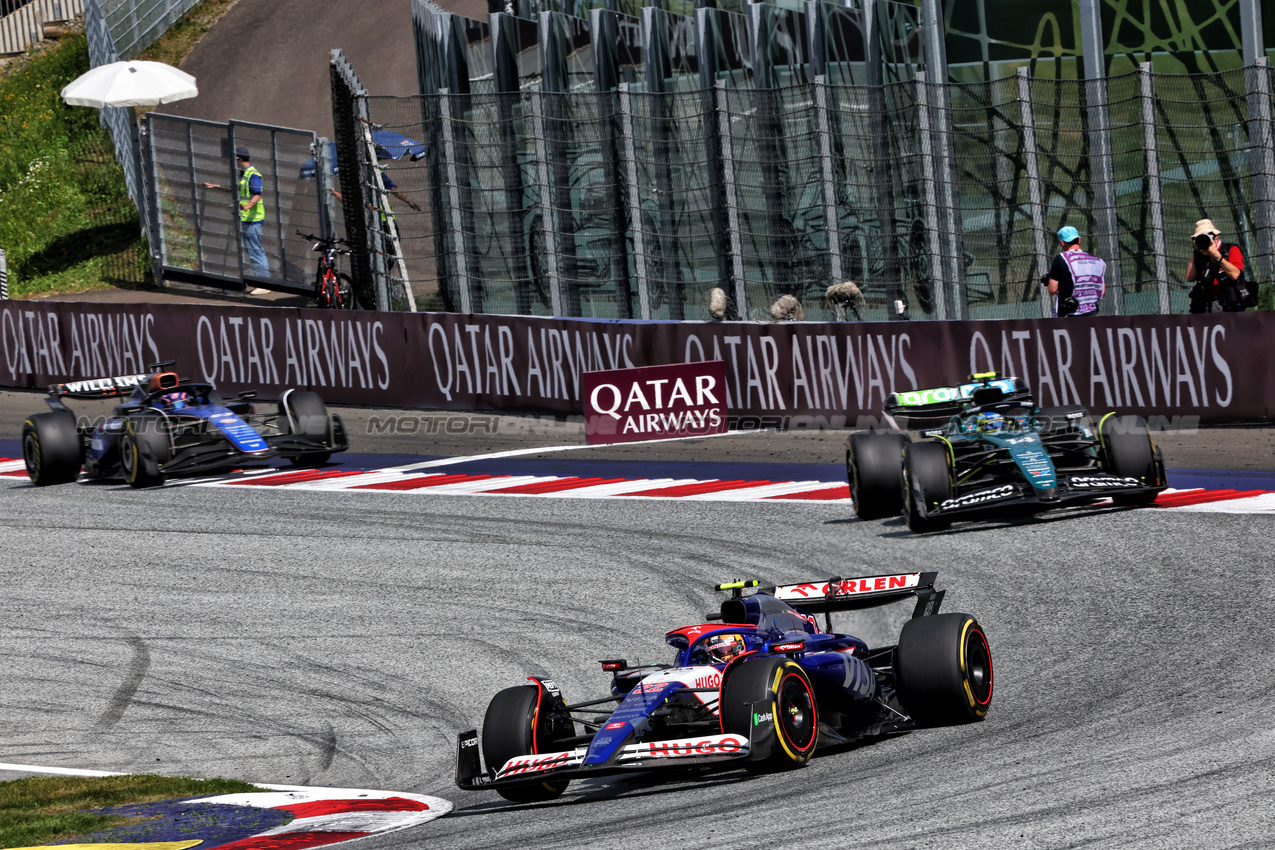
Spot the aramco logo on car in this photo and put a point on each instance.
(655, 402)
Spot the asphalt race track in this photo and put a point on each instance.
(340, 638)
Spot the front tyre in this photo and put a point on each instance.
(943, 666)
(51, 448)
(513, 727)
(770, 700)
(1128, 452)
(874, 470)
(308, 417)
(145, 447)
(927, 482)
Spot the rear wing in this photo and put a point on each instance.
(944, 402)
(855, 594)
(99, 387)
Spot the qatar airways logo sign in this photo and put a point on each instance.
(655, 402)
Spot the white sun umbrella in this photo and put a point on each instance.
(130, 84)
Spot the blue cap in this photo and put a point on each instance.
(1068, 234)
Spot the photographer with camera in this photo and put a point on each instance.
(1076, 280)
(1217, 270)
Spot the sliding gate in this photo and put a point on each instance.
(197, 228)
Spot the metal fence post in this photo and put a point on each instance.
(771, 148)
(635, 201)
(1107, 239)
(1261, 143)
(706, 53)
(1035, 191)
(547, 223)
(156, 244)
(383, 243)
(941, 124)
(603, 35)
(1155, 197)
(4, 277)
(933, 224)
(732, 201)
(828, 180)
(323, 186)
(1251, 32)
(232, 181)
(453, 203)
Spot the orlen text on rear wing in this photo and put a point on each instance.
(854, 594)
(944, 402)
(99, 387)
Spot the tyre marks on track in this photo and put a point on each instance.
(123, 695)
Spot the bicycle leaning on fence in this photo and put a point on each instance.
(333, 290)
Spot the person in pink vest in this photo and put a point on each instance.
(1076, 279)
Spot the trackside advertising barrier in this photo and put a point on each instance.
(1211, 366)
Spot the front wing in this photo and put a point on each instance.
(1072, 490)
(218, 453)
(530, 769)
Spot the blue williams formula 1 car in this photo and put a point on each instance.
(172, 426)
(761, 687)
(997, 450)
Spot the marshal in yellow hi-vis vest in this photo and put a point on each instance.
(256, 212)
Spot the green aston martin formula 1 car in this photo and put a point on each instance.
(997, 450)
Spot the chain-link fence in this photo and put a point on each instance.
(135, 24)
(946, 198)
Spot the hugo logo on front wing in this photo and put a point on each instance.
(725, 745)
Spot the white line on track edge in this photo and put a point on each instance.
(546, 449)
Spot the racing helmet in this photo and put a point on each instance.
(722, 648)
(990, 423)
(175, 401)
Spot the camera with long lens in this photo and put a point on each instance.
(1203, 242)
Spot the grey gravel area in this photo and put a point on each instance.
(344, 639)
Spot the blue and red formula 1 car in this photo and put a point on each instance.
(761, 687)
(171, 426)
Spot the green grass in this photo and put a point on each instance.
(66, 222)
(42, 809)
(175, 45)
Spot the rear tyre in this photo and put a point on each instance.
(772, 699)
(927, 481)
(508, 733)
(943, 666)
(145, 447)
(874, 470)
(1128, 452)
(308, 417)
(51, 448)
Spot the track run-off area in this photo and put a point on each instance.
(312, 630)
